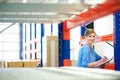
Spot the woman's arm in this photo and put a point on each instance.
(94, 64)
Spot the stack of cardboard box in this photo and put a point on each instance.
(17, 64)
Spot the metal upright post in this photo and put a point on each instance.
(60, 43)
(82, 34)
(64, 44)
(31, 40)
(66, 49)
(117, 40)
(25, 40)
(21, 41)
(35, 43)
(51, 29)
(42, 34)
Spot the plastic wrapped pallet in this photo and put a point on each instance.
(50, 51)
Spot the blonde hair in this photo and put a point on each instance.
(88, 32)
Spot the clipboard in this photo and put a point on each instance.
(101, 64)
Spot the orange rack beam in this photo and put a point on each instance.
(100, 10)
(110, 66)
(109, 37)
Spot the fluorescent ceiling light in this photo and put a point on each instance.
(24, 1)
(94, 1)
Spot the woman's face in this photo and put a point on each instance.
(91, 38)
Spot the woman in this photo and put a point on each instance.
(87, 56)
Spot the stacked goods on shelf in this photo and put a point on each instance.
(20, 63)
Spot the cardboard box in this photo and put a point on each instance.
(14, 64)
(30, 64)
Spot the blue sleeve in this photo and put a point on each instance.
(83, 57)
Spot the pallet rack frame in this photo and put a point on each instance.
(100, 10)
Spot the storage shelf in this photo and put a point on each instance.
(93, 13)
(108, 37)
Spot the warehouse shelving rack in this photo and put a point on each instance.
(93, 13)
(29, 50)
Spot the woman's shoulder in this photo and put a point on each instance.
(84, 46)
(84, 49)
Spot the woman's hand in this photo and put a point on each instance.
(104, 59)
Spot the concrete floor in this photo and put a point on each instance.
(53, 73)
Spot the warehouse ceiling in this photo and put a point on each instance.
(42, 11)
